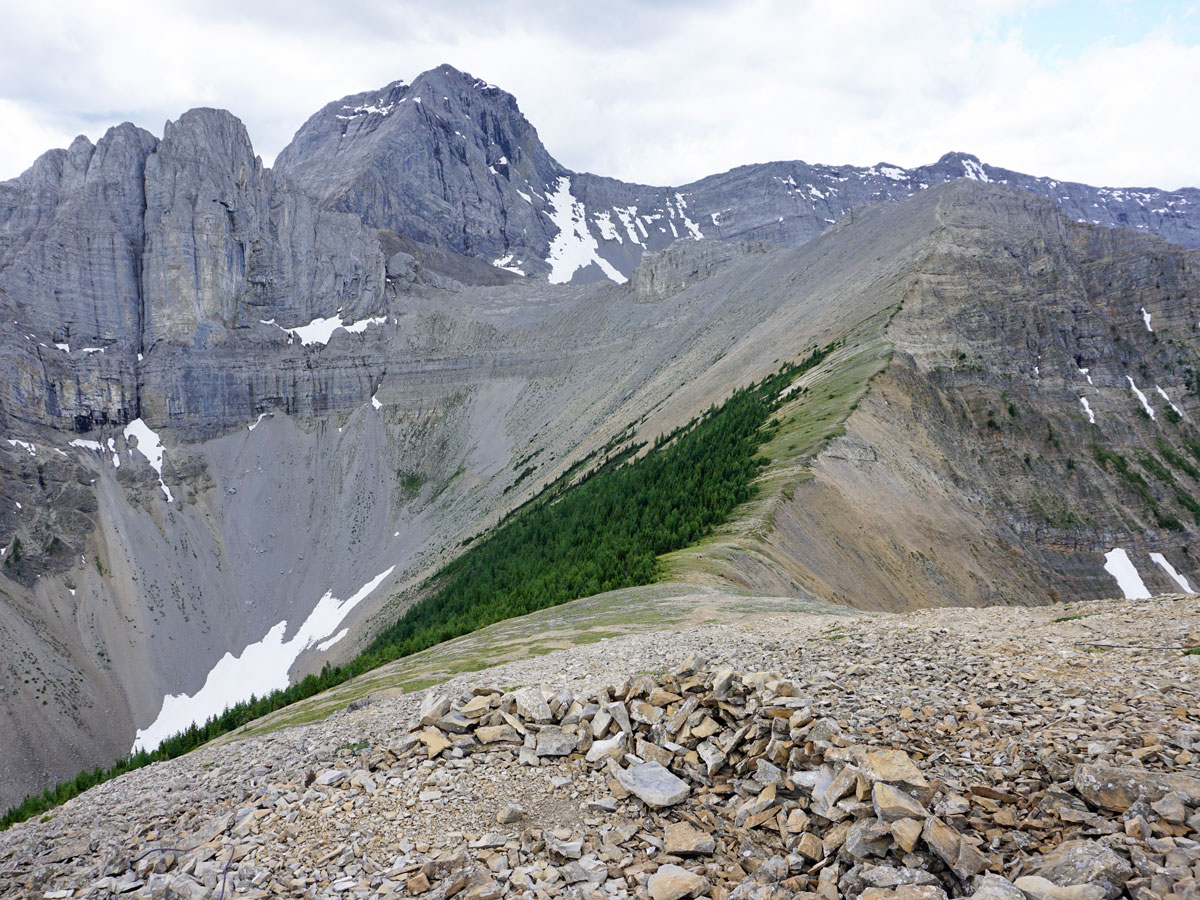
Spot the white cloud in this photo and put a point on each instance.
(660, 93)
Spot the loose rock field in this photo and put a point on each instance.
(1012, 754)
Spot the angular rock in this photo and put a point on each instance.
(654, 784)
(494, 734)
(553, 741)
(1037, 888)
(433, 707)
(673, 882)
(681, 839)
(892, 804)
(532, 706)
(1118, 788)
(610, 748)
(891, 766)
(996, 887)
(1084, 862)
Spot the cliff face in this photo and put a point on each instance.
(243, 407)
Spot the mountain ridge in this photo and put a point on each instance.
(241, 404)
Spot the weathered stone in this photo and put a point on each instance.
(1084, 862)
(1116, 789)
(891, 876)
(942, 840)
(1171, 808)
(996, 887)
(532, 706)
(610, 748)
(620, 715)
(906, 832)
(681, 839)
(553, 741)
(868, 837)
(891, 803)
(810, 845)
(435, 742)
(511, 812)
(564, 847)
(433, 707)
(891, 766)
(1036, 887)
(477, 706)
(673, 882)
(654, 784)
(493, 734)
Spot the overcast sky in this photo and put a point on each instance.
(660, 92)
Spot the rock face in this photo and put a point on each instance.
(244, 408)
(450, 161)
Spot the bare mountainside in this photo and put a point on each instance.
(243, 425)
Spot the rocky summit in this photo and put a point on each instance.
(253, 416)
(999, 753)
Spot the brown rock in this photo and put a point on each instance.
(891, 803)
(1037, 888)
(906, 832)
(673, 882)
(681, 839)
(1084, 862)
(1118, 788)
(891, 766)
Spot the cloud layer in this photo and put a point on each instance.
(660, 92)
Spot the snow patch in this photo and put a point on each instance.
(1141, 398)
(87, 445)
(628, 217)
(608, 230)
(974, 171)
(1088, 409)
(1163, 394)
(1170, 570)
(150, 446)
(261, 668)
(1118, 564)
(525, 197)
(692, 227)
(319, 331)
(1084, 373)
(325, 645)
(506, 263)
(257, 421)
(573, 248)
(65, 348)
(894, 173)
(30, 447)
(1146, 319)
(375, 402)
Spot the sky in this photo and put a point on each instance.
(659, 91)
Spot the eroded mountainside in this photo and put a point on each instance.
(244, 408)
